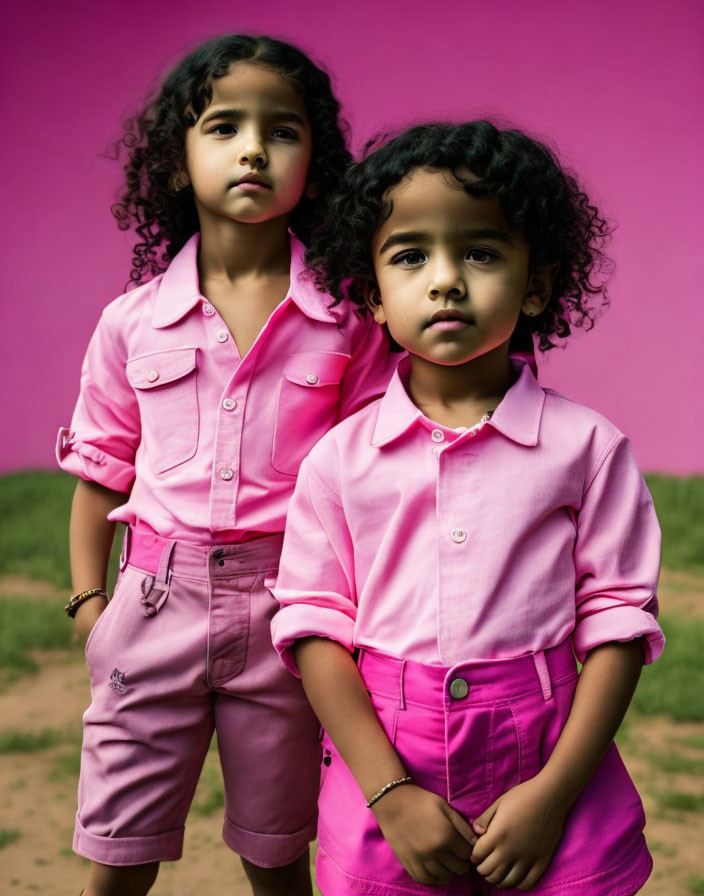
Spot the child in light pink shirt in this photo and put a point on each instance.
(201, 391)
(453, 546)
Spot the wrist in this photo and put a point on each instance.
(558, 788)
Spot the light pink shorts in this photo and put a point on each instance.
(183, 648)
(470, 749)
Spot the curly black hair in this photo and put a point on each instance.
(539, 198)
(154, 140)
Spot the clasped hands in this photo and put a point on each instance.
(510, 843)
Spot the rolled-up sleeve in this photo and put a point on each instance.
(315, 585)
(370, 369)
(101, 443)
(617, 558)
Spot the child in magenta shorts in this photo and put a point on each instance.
(201, 391)
(453, 547)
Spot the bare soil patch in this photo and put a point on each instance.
(38, 788)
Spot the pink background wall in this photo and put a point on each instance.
(617, 85)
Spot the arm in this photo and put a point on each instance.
(521, 830)
(427, 836)
(91, 535)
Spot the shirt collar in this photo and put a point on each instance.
(179, 291)
(517, 416)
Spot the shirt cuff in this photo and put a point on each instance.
(619, 624)
(90, 463)
(304, 621)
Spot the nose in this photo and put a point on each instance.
(446, 281)
(253, 152)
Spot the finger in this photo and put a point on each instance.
(498, 874)
(454, 864)
(438, 873)
(482, 849)
(491, 865)
(533, 876)
(515, 875)
(482, 823)
(461, 825)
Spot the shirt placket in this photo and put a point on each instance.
(227, 459)
(454, 542)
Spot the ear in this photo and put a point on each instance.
(538, 290)
(179, 181)
(312, 191)
(374, 303)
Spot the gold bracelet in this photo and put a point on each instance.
(387, 787)
(78, 599)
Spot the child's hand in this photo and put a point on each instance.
(519, 834)
(87, 615)
(427, 836)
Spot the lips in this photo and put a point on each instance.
(253, 181)
(449, 317)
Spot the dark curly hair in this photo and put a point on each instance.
(539, 199)
(154, 139)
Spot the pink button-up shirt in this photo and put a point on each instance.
(443, 546)
(208, 442)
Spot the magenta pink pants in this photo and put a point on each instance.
(498, 731)
(184, 648)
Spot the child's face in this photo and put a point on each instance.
(247, 156)
(452, 280)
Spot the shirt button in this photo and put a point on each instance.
(437, 435)
(153, 375)
(459, 688)
(222, 336)
(229, 404)
(208, 309)
(226, 474)
(311, 379)
(458, 535)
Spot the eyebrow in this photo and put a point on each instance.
(239, 114)
(417, 236)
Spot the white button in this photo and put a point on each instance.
(153, 375)
(226, 474)
(208, 309)
(458, 535)
(311, 379)
(229, 404)
(437, 435)
(222, 335)
(459, 688)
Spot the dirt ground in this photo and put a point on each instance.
(38, 787)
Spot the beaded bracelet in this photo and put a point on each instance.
(78, 599)
(387, 787)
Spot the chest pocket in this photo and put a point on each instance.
(165, 384)
(309, 401)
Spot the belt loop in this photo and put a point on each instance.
(157, 591)
(126, 544)
(401, 689)
(541, 667)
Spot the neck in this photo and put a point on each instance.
(461, 394)
(232, 250)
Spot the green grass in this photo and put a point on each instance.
(210, 793)
(34, 513)
(66, 766)
(696, 741)
(27, 625)
(8, 836)
(29, 741)
(679, 504)
(675, 763)
(696, 886)
(681, 802)
(674, 685)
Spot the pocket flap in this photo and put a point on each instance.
(158, 368)
(315, 369)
